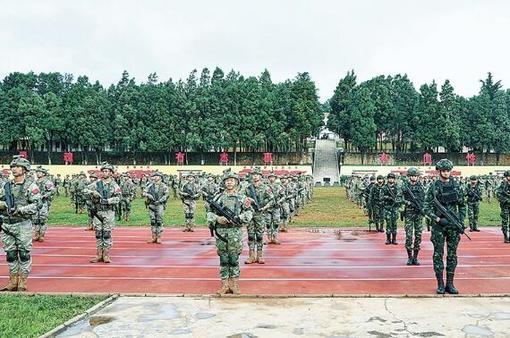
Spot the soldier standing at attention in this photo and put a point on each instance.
(369, 207)
(503, 194)
(128, 190)
(190, 193)
(262, 199)
(156, 193)
(89, 206)
(105, 195)
(275, 211)
(448, 193)
(17, 223)
(229, 236)
(47, 189)
(414, 195)
(376, 202)
(474, 197)
(392, 199)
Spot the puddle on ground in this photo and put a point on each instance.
(160, 312)
(481, 331)
(204, 315)
(100, 320)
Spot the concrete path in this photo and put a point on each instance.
(325, 162)
(298, 317)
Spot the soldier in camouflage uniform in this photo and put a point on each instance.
(449, 194)
(17, 226)
(47, 189)
(375, 200)
(474, 197)
(413, 193)
(503, 195)
(128, 190)
(392, 199)
(229, 237)
(262, 199)
(190, 193)
(79, 195)
(105, 195)
(58, 183)
(285, 216)
(157, 194)
(275, 211)
(369, 207)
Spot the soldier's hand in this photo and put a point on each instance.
(3, 205)
(96, 194)
(222, 220)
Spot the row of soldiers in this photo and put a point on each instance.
(442, 201)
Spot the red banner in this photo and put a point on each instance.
(180, 158)
(23, 153)
(224, 158)
(427, 159)
(68, 157)
(268, 158)
(384, 158)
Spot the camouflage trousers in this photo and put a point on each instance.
(505, 216)
(390, 215)
(104, 229)
(124, 207)
(229, 251)
(256, 230)
(156, 217)
(189, 212)
(273, 225)
(378, 216)
(414, 228)
(17, 244)
(40, 220)
(473, 212)
(438, 237)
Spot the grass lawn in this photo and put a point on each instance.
(32, 316)
(329, 207)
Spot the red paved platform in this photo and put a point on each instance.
(308, 262)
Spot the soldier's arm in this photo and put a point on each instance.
(165, 195)
(462, 205)
(428, 205)
(246, 210)
(33, 198)
(116, 195)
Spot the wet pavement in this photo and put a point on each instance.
(298, 317)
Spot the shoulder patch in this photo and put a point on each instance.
(247, 203)
(35, 190)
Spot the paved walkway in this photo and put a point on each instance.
(298, 317)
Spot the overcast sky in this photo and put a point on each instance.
(456, 40)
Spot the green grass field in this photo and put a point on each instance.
(32, 316)
(329, 207)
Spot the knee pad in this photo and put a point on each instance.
(11, 256)
(223, 260)
(189, 215)
(24, 255)
(251, 237)
(260, 237)
(98, 234)
(107, 234)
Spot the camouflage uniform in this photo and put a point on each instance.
(128, 190)
(189, 193)
(229, 237)
(262, 199)
(392, 199)
(17, 227)
(79, 195)
(449, 193)
(376, 203)
(89, 205)
(275, 211)
(474, 197)
(414, 195)
(503, 195)
(105, 195)
(157, 195)
(369, 207)
(47, 189)
(285, 215)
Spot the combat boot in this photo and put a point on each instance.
(234, 286)
(22, 282)
(388, 239)
(450, 288)
(106, 256)
(475, 228)
(415, 257)
(440, 284)
(409, 258)
(158, 239)
(505, 237)
(260, 257)
(98, 258)
(394, 239)
(276, 241)
(153, 240)
(12, 285)
(251, 259)
(225, 287)
(41, 237)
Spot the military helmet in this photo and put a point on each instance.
(372, 178)
(106, 165)
(444, 164)
(506, 173)
(473, 178)
(82, 173)
(391, 175)
(230, 175)
(380, 177)
(413, 172)
(19, 161)
(272, 174)
(157, 173)
(40, 169)
(93, 175)
(256, 171)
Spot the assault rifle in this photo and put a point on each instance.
(102, 200)
(450, 217)
(219, 210)
(473, 193)
(9, 201)
(253, 196)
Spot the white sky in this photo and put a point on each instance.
(458, 40)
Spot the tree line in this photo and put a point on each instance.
(205, 112)
(388, 112)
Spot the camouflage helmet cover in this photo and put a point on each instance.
(19, 161)
(230, 175)
(444, 164)
(506, 173)
(391, 175)
(106, 165)
(413, 172)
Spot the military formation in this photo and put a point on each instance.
(442, 202)
(264, 204)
